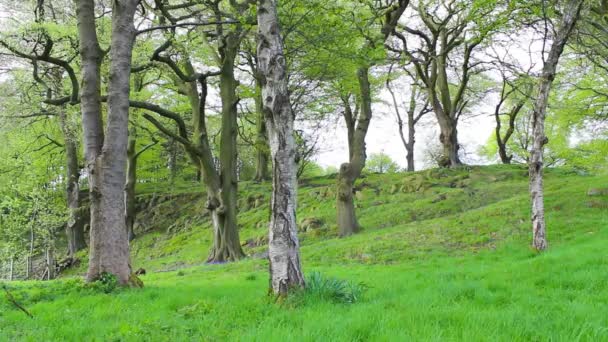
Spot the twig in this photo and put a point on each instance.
(11, 299)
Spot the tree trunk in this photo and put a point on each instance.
(345, 204)
(283, 245)
(226, 245)
(449, 140)
(90, 106)
(411, 130)
(570, 16)
(50, 264)
(261, 144)
(110, 245)
(349, 172)
(130, 186)
(75, 225)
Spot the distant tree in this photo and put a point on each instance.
(381, 163)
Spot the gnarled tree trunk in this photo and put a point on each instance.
(284, 249)
(349, 172)
(226, 242)
(570, 16)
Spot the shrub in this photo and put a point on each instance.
(106, 283)
(327, 289)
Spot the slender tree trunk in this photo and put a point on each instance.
(75, 225)
(410, 145)
(284, 249)
(226, 245)
(50, 263)
(90, 106)
(11, 268)
(130, 185)
(570, 16)
(261, 144)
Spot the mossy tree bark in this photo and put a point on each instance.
(569, 18)
(283, 245)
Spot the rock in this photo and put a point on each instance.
(440, 198)
(258, 202)
(256, 242)
(394, 189)
(597, 204)
(597, 192)
(311, 223)
(260, 255)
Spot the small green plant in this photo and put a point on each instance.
(106, 283)
(251, 276)
(327, 289)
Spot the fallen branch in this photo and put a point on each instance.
(12, 299)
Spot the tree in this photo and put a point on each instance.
(414, 114)
(571, 13)
(381, 163)
(221, 185)
(106, 153)
(448, 34)
(283, 245)
(358, 121)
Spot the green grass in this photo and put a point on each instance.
(447, 262)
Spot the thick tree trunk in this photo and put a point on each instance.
(227, 246)
(75, 225)
(110, 245)
(130, 186)
(284, 248)
(449, 140)
(570, 16)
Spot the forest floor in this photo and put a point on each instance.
(444, 255)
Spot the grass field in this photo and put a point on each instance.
(444, 256)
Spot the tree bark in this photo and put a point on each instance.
(130, 185)
(226, 242)
(109, 243)
(349, 172)
(90, 106)
(570, 16)
(75, 225)
(261, 143)
(284, 247)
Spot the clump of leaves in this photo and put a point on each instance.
(106, 283)
(320, 288)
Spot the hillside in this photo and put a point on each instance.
(443, 254)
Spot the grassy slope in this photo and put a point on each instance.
(447, 262)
